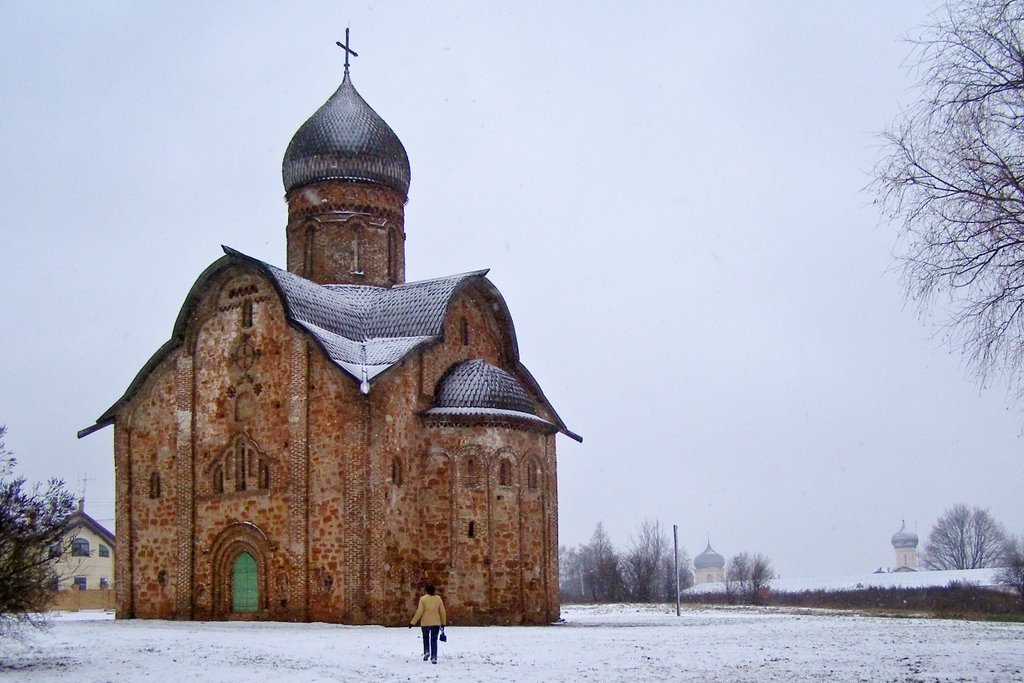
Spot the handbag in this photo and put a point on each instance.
(443, 638)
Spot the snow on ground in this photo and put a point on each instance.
(596, 643)
(922, 579)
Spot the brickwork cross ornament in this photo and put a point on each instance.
(348, 51)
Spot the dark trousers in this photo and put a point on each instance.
(430, 640)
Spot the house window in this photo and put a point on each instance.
(55, 584)
(54, 550)
(505, 473)
(80, 583)
(80, 548)
(104, 584)
(104, 551)
(154, 485)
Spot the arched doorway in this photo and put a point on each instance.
(245, 592)
(239, 573)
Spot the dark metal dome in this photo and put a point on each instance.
(478, 384)
(346, 140)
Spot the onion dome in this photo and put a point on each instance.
(709, 559)
(478, 384)
(346, 140)
(904, 538)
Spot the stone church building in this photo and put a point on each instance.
(316, 443)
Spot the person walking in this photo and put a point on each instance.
(430, 614)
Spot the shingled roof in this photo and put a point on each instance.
(362, 329)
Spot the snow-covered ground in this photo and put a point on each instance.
(922, 579)
(596, 643)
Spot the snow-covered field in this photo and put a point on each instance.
(599, 643)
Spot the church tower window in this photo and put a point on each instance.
(154, 485)
(218, 479)
(247, 313)
(464, 331)
(355, 252)
(396, 472)
(505, 473)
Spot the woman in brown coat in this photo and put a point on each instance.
(430, 614)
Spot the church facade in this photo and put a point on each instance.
(316, 443)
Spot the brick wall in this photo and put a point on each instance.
(347, 503)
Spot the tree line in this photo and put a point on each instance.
(645, 571)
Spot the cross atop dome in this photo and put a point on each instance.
(348, 51)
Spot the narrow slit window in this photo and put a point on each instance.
(471, 530)
(247, 313)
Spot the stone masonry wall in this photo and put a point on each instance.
(348, 503)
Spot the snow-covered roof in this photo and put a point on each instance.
(366, 330)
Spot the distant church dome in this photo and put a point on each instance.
(346, 140)
(709, 559)
(904, 538)
(478, 384)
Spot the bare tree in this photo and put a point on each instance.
(1012, 574)
(952, 177)
(644, 562)
(570, 574)
(32, 522)
(965, 538)
(748, 577)
(602, 573)
(667, 590)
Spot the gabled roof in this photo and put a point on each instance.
(80, 518)
(361, 329)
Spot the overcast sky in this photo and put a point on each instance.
(669, 196)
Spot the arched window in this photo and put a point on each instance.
(396, 472)
(218, 479)
(472, 475)
(104, 551)
(505, 473)
(80, 547)
(532, 474)
(154, 485)
(264, 475)
(240, 458)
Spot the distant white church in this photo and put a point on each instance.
(905, 544)
(709, 566)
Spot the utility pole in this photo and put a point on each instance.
(675, 552)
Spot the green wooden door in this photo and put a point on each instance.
(244, 590)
